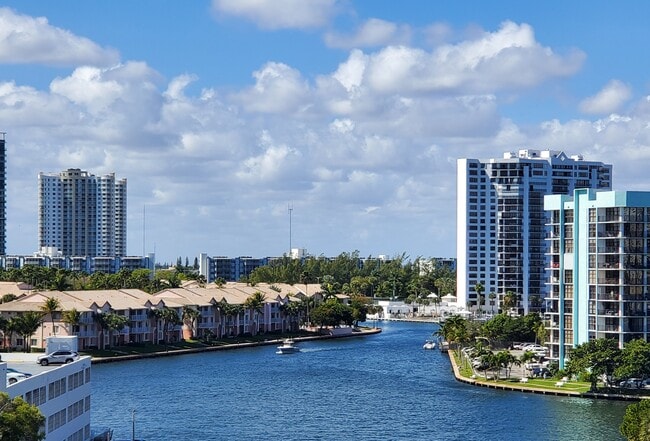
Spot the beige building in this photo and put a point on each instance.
(221, 313)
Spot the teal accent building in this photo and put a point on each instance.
(599, 267)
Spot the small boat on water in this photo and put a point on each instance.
(288, 347)
(429, 344)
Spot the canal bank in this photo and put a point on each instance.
(356, 332)
(523, 387)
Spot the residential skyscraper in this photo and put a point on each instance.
(501, 227)
(82, 214)
(3, 195)
(599, 245)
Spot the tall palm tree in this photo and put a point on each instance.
(51, 305)
(255, 303)
(492, 296)
(26, 325)
(101, 320)
(479, 288)
(509, 300)
(72, 317)
(190, 315)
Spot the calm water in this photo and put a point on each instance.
(383, 387)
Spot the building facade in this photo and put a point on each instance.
(86, 264)
(599, 268)
(62, 394)
(501, 221)
(82, 214)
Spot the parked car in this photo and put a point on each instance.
(12, 370)
(541, 373)
(15, 377)
(631, 383)
(57, 357)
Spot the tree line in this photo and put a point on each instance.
(348, 273)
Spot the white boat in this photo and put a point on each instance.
(429, 344)
(288, 347)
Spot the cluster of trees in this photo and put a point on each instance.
(349, 274)
(499, 332)
(601, 359)
(64, 280)
(20, 421)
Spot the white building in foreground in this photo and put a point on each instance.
(61, 393)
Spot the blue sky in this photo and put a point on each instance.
(222, 113)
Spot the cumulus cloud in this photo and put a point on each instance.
(278, 89)
(609, 99)
(373, 32)
(508, 59)
(25, 39)
(279, 14)
(382, 129)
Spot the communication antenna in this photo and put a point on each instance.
(290, 211)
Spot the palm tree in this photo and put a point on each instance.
(51, 305)
(255, 303)
(509, 300)
(115, 322)
(190, 315)
(492, 296)
(101, 320)
(26, 325)
(527, 357)
(478, 288)
(72, 317)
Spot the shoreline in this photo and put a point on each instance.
(536, 390)
(363, 332)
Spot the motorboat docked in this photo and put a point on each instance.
(288, 347)
(429, 344)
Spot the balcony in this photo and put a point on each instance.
(609, 328)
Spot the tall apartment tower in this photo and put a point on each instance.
(3, 195)
(501, 227)
(82, 214)
(599, 248)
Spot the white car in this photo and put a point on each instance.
(59, 357)
(15, 377)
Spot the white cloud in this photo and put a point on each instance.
(508, 59)
(373, 32)
(609, 99)
(25, 39)
(278, 89)
(370, 145)
(279, 14)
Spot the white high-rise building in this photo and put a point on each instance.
(82, 214)
(501, 221)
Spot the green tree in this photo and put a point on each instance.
(509, 301)
(255, 303)
(635, 360)
(479, 288)
(72, 318)
(594, 359)
(115, 323)
(20, 421)
(49, 307)
(26, 325)
(190, 315)
(636, 422)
